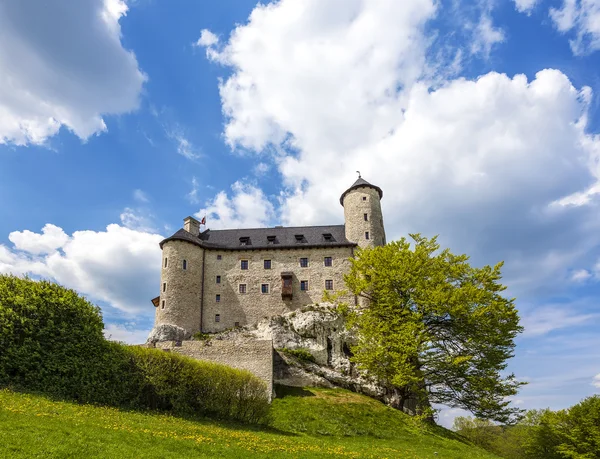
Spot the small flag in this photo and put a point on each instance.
(203, 221)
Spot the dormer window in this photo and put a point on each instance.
(245, 241)
(328, 237)
(300, 238)
(271, 239)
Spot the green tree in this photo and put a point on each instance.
(434, 326)
(578, 429)
(481, 432)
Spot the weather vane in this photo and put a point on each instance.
(358, 172)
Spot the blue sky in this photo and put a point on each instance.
(480, 120)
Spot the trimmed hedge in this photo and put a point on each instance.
(51, 341)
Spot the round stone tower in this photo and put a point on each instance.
(180, 301)
(362, 214)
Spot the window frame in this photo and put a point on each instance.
(219, 257)
(163, 303)
(184, 265)
(217, 318)
(265, 264)
(164, 289)
(307, 262)
(366, 217)
(218, 298)
(367, 235)
(218, 280)
(166, 265)
(243, 287)
(330, 262)
(328, 282)
(262, 290)
(306, 284)
(242, 265)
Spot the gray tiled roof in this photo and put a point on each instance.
(358, 184)
(285, 237)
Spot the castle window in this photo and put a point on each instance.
(218, 279)
(217, 317)
(166, 261)
(244, 264)
(218, 298)
(164, 286)
(264, 288)
(244, 241)
(304, 285)
(328, 285)
(328, 237)
(267, 264)
(364, 198)
(242, 288)
(271, 239)
(162, 306)
(219, 257)
(328, 261)
(184, 264)
(366, 235)
(300, 238)
(366, 217)
(304, 262)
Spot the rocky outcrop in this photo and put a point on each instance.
(321, 331)
(167, 332)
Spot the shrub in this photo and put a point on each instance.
(52, 342)
(300, 354)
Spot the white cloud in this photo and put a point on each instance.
(120, 266)
(486, 36)
(596, 381)
(63, 66)
(547, 319)
(126, 333)
(580, 275)
(207, 38)
(140, 196)
(137, 220)
(248, 207)
(192, 196)
(477, 161)
(261, 169)
(582, 17)
(525, 6)
(51, 239)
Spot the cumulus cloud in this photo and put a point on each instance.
(478, 161)
(582, 18)
(596, 381)
(120, 266)
(63, 66)
(248, 207)
(51, 239)
(207, 38)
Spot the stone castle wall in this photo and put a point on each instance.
(255, 356)
(355, 207)
(253, 306)
(180, 297)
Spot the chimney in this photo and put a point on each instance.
(191, 225)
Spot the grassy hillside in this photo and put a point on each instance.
(307, 423)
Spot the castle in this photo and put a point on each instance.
(220, 279)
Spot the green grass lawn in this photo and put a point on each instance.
(307, 423)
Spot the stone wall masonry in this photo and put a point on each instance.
(255, 356)
(356, 226)
(183, 287)
(254, 306)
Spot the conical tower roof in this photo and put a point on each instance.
(361, 182)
